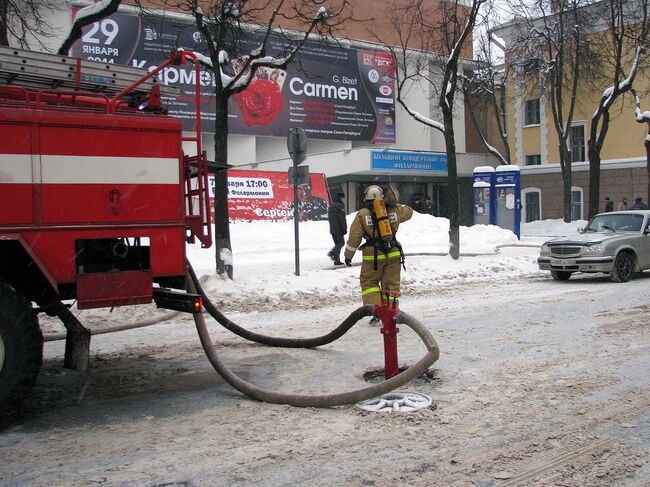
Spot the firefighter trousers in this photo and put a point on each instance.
(387, 276)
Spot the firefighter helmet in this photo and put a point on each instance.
(373, 192)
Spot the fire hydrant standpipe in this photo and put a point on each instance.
(386, 311)
(326, 400)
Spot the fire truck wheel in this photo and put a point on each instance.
(21, 348)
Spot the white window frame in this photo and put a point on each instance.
(539, 112)
(584, 138)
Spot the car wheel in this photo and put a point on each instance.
(561, 275)
(623, 267)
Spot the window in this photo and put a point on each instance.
(617, 223)
(533, 160)
(576, 204)
(577, 143)
(532, 66)
(532, 112)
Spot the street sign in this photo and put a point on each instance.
(298, 175)
(297, 145)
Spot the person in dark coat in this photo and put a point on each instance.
(428, 206)
(417, 205)
(338, 227)
(639, 204)
(609, 204)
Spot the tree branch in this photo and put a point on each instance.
(87, 16)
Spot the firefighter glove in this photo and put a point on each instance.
(348, 262)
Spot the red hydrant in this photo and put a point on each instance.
(386, 311)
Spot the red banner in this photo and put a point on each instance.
(267, 195)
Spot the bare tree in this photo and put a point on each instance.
(432, 39)
(484, 92)
(551, 40)
(626, 24)
(643, 117)
(224, 24)
(24, 22)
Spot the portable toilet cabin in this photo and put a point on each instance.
(507, 189)
(483, 196)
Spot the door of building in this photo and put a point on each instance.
(533, 206)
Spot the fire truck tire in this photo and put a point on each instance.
(21, 348)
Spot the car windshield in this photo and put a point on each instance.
(616, 223)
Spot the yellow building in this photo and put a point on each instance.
(534, 140)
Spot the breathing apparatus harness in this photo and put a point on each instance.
(383, 237)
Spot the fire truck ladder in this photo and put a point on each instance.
(38, 71)
(197, 206)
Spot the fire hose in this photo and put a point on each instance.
(325, 400)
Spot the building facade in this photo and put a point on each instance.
(369, 142)
(535, 143)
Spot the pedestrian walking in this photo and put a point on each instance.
(338, 227)
(622, 205)
(382, 255)
(609, 204)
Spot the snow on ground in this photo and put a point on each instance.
(264, 261)
(264, 266)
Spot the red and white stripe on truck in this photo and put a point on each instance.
(68, 175)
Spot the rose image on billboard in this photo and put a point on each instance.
(260, 102)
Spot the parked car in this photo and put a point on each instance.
(617, 243)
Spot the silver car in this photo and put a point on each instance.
(617, 243)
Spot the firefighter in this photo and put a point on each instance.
(382, 254)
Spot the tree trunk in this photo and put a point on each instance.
(565, 162)
(452, 183)
(594, 146)
(4, 39)
(222, 245)
(647, 165)
(594, 184)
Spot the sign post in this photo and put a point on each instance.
(297, 146)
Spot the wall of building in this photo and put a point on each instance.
(625, 138)
(618, 179)
(623, 166)
(375, 19)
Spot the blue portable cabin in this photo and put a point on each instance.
(507, 197)
(483, 196)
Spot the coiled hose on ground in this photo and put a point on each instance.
(300, 400)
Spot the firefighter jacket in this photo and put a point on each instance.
(363, 227)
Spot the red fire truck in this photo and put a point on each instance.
(97, 200)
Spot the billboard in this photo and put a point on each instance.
(331, 92)
(267, 195)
